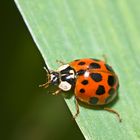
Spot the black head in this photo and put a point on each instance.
(54, 78)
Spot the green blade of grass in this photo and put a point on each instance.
(70, 29)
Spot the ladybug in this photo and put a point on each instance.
(93, 81)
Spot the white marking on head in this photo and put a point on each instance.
(65, 86)
(72, 74)
(63, 67)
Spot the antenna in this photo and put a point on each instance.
(45, 85)
(46, 69)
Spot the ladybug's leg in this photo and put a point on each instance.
(115, 112)
(77, 108)
(45, 85)
(56, 92)
(60, 62)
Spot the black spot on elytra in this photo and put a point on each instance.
(96, 77)
(94, 66)
(81, 63)
(111, 80)
(80, 72)
(111, 91)
(100, 90)
(84, 82)
(109, 68)
(93, 100)
(82, 90)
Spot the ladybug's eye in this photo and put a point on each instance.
(55, 78)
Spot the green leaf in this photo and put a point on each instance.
(70, 29)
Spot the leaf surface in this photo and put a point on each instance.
(70, 29)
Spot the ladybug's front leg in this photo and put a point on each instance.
(77, 108)
(56, 92)
(45, 85)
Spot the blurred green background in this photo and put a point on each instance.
(27, 112)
